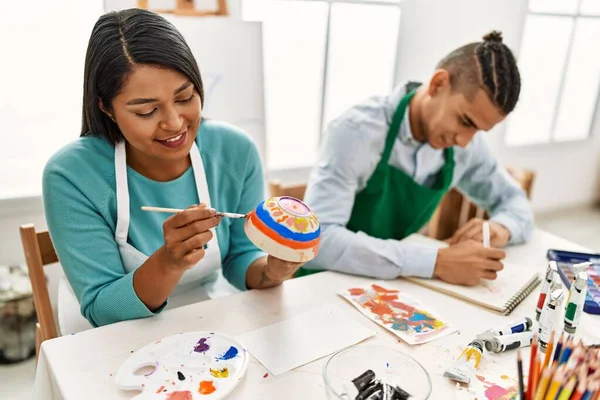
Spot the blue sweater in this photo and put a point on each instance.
(81, 212)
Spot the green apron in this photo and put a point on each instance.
(393, 205)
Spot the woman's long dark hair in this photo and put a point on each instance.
(119, 41)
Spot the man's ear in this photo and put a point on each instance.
(440, 82)
(105, 110)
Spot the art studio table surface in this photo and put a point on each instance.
(82, 366)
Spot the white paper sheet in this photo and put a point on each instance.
(300, 340)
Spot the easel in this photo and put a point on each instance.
(186, 7)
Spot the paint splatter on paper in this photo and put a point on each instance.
(229, 354)
(219, 373)
(493, 388)
(206, 387)
(187, 395)
(398, 313)
(201, 346)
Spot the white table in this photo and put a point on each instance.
(82, 366)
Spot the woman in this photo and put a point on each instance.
(143, 143)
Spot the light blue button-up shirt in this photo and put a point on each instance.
(353, 146)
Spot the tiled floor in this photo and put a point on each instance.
(16, 380)
(580, 225)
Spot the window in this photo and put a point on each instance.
(41, 82)
(560, 72)
(320, 57)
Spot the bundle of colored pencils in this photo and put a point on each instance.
(568, 371)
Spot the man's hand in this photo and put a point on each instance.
(467, 262)
(473, 230)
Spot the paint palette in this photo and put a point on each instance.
(565, 261)
(185, 366)
(285, 228)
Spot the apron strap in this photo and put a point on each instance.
(395, 126)
(122, 192)
(199, 175)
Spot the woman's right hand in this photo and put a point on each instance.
(185, 235)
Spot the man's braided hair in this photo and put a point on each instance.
(489, 65)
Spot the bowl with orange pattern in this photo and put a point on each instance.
(286, 228)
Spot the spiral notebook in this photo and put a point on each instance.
(502, 295)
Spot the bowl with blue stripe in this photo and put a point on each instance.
(285, 228)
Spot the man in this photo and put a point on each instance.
(387, 163)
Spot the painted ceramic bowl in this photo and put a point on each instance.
(284, 227)
(372, 367)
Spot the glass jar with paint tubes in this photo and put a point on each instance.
(375, 372)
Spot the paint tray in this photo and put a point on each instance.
(185, 366)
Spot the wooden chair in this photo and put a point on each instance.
(456, 209)
(39, 251)
(278, 189)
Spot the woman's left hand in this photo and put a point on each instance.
(281, 270)
(270, 271)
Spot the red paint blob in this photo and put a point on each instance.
(187, 395)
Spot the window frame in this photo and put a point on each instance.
(294, 172)
(575, 17)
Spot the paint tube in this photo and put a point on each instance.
(502, 343)
(576, 300)
(468, 361)
(521, 325)
(577, 268)
(546, 284)
(367, 387)
(363, 380)
(548, 319)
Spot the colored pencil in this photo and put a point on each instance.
(536, 377)
(567, 390)
(566, 353)
(533, 355)
(520, 371)
(581, 387)
(548, 351)
(558, 347)
(544, 382)
(555, 384)
(570, 372)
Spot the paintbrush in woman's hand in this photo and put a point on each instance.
(176, 210)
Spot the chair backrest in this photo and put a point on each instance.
(456, 209)
(278, 189)
(39, 251)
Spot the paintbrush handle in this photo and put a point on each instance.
(162, 209)
(176, 210)
(230, 215)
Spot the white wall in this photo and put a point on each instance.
(567, 173)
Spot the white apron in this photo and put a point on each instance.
(203, 281)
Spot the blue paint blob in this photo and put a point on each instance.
(419, 317)
(282, 230)
(229, 354)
